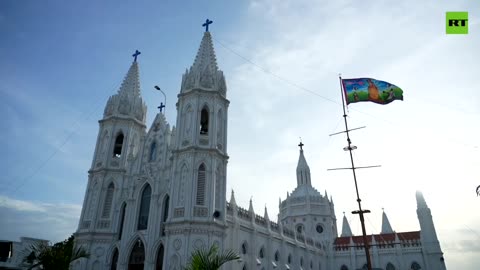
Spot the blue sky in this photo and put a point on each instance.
(62, 60)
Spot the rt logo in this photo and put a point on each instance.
(457, 22)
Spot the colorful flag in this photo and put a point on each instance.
(368, 89)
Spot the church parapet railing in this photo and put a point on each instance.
(260, 221)
(300, 237)
(289, 233)
(229, 209)
(243, 213)
(274, 226)
(309, 241)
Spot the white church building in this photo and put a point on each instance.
(154, 195)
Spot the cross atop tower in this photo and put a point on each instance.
(207, 22)
(301, 144)
(137, 53)
(161, 106)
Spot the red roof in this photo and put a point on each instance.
(379, 238)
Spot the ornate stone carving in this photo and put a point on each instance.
(206, 78)
(99, 251)
(190, 80)
(177, 244)
(123, 107)
(178, 212)
(200, 211)
(103, 224)
(198, 244)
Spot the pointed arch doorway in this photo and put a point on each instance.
(137, 256)
(159, 264)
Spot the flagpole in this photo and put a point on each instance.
(360, 212)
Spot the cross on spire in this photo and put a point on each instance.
(301, 144)
(161, 106)
(137, 53)
(207, 22)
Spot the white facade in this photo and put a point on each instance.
(154, 196)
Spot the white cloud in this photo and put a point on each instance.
(19, 205)
(54, 222)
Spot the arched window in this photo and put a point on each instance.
(218, 188)
(107, 205)
(166, 203)
(114, 260)
(122, 220)
(415, 266)
(260, 253)
(137, 257)
(390, 266)
(219, 127)
(301, 261)
(277, 256)
(144, 208)
(204, 121)
(153, 152)
(244, 248)
(344, 267)
(161, 251)
(117, 149)
(311, 265)
(244, 267)
(200, 200)
(289, 259)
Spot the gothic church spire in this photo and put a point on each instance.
(131, 83)
(303, 171)
(128, 101)
(204, 73)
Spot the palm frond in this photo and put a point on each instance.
(203, 259)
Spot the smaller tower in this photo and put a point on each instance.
(346, 231)
(305, 210)
(386, 227)
(430, 244)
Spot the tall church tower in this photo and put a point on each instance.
(430, 244)
(118, 145)
(200, 158)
